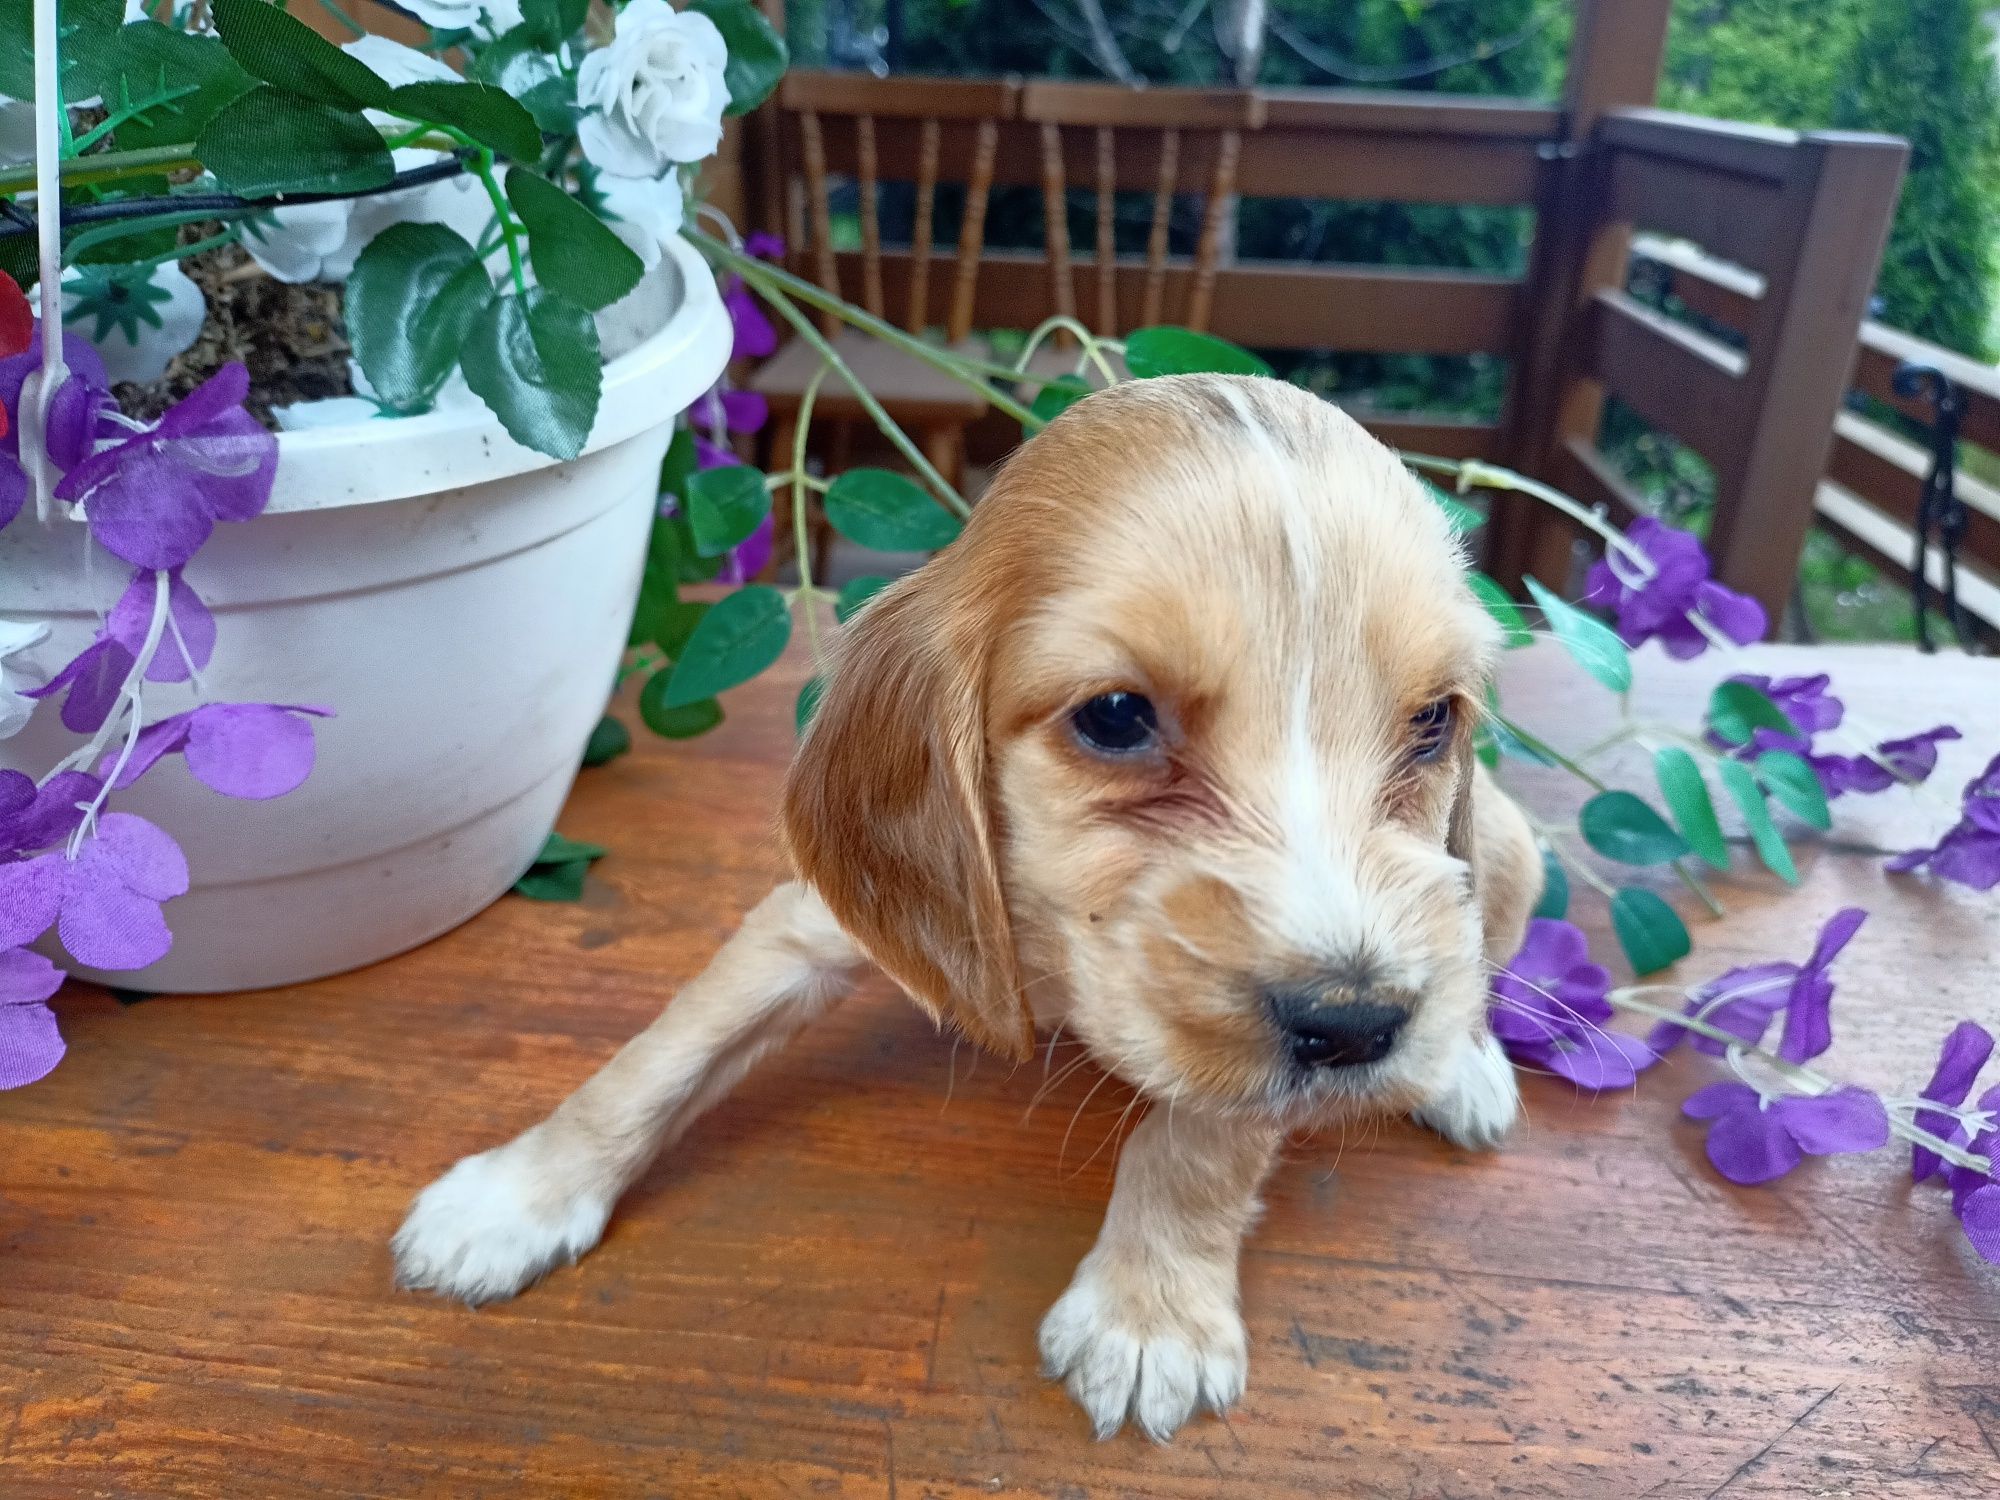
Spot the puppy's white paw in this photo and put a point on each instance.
(1478, 1101)
(494, 1223)
(1126, 1345)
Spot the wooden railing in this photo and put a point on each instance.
(1804, 216)
(1099, 142)
(1867, 493)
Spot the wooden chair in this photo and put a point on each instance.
(1148, 140)
(933, 133)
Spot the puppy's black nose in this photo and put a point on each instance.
(1343, 1034)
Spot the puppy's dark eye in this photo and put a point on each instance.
(1116, 723)
(1430, 730)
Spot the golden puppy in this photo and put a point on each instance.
(1174, 747)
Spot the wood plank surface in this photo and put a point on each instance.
(831, 1288)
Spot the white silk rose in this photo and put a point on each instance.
(654, 95)
(454, 15)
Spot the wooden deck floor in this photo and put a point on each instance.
(832, 1288)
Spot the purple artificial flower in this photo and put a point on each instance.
(189, 623)
(1808, 704)
(761, 244)
(752, 336)
(1658, 607)
(1753, 1138)
(748, 557)
(13, 489)
(1742, 1001)
(1975, 1193)
(75, 416)
(1750, 997)
(30, 1044)
(1969, 853)
(154, 498)
(1965, 1052)
(250, 750)
(34, 817)
(105, 903)
(1549, 1009)
(95, 677)
(98, 673)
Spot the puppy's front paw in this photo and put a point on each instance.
(1129, 1342)
(494, 1223)
(1479, 1100)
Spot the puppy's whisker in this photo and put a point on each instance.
(1046, 1089)
(1062, 1153)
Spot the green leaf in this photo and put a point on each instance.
(491, 116)
(725, 505)
(609, 740)
(757, 55)
(533, 360)
(144, 60)
(411, 300)
(1795, 785)
(887, 513)
(87, 28)
(554, 882)
(738, 638)
(1589, 641)
(808, 704)
(1511, 744)
(1620, 826)
(1736, 710)
(1650, 931)
(1686, 794)
(267, 142)
(677, 625)
(575, 253)
(1461, 516)
(1554, 902)
(1058, 396)
(283, 50)
(681, 721)
(1181, 351)
(550, 23)
(521, 65)
(1513, 626)
(1763, 832)
(557, 850)
(559, 869)
(856, 592)
(679, 464)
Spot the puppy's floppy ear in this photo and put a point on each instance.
(1460, 836)
(887, 815)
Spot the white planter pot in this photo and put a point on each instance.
(459, 601)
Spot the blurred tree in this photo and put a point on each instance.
(1924, 70)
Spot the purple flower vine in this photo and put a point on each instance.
(1550, 1002)
(151, 495)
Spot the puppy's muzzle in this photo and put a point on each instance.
(1338, 1025)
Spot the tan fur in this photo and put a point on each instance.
(1287, 596)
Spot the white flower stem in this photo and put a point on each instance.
(751, 271)
(801, 541)
(126, 714)
(1800, 1078)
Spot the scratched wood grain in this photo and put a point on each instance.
(831, 1288)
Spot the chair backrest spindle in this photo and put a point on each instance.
(1107, 232)
(871, 218)
(920, 229)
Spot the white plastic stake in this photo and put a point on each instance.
(48, 219)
